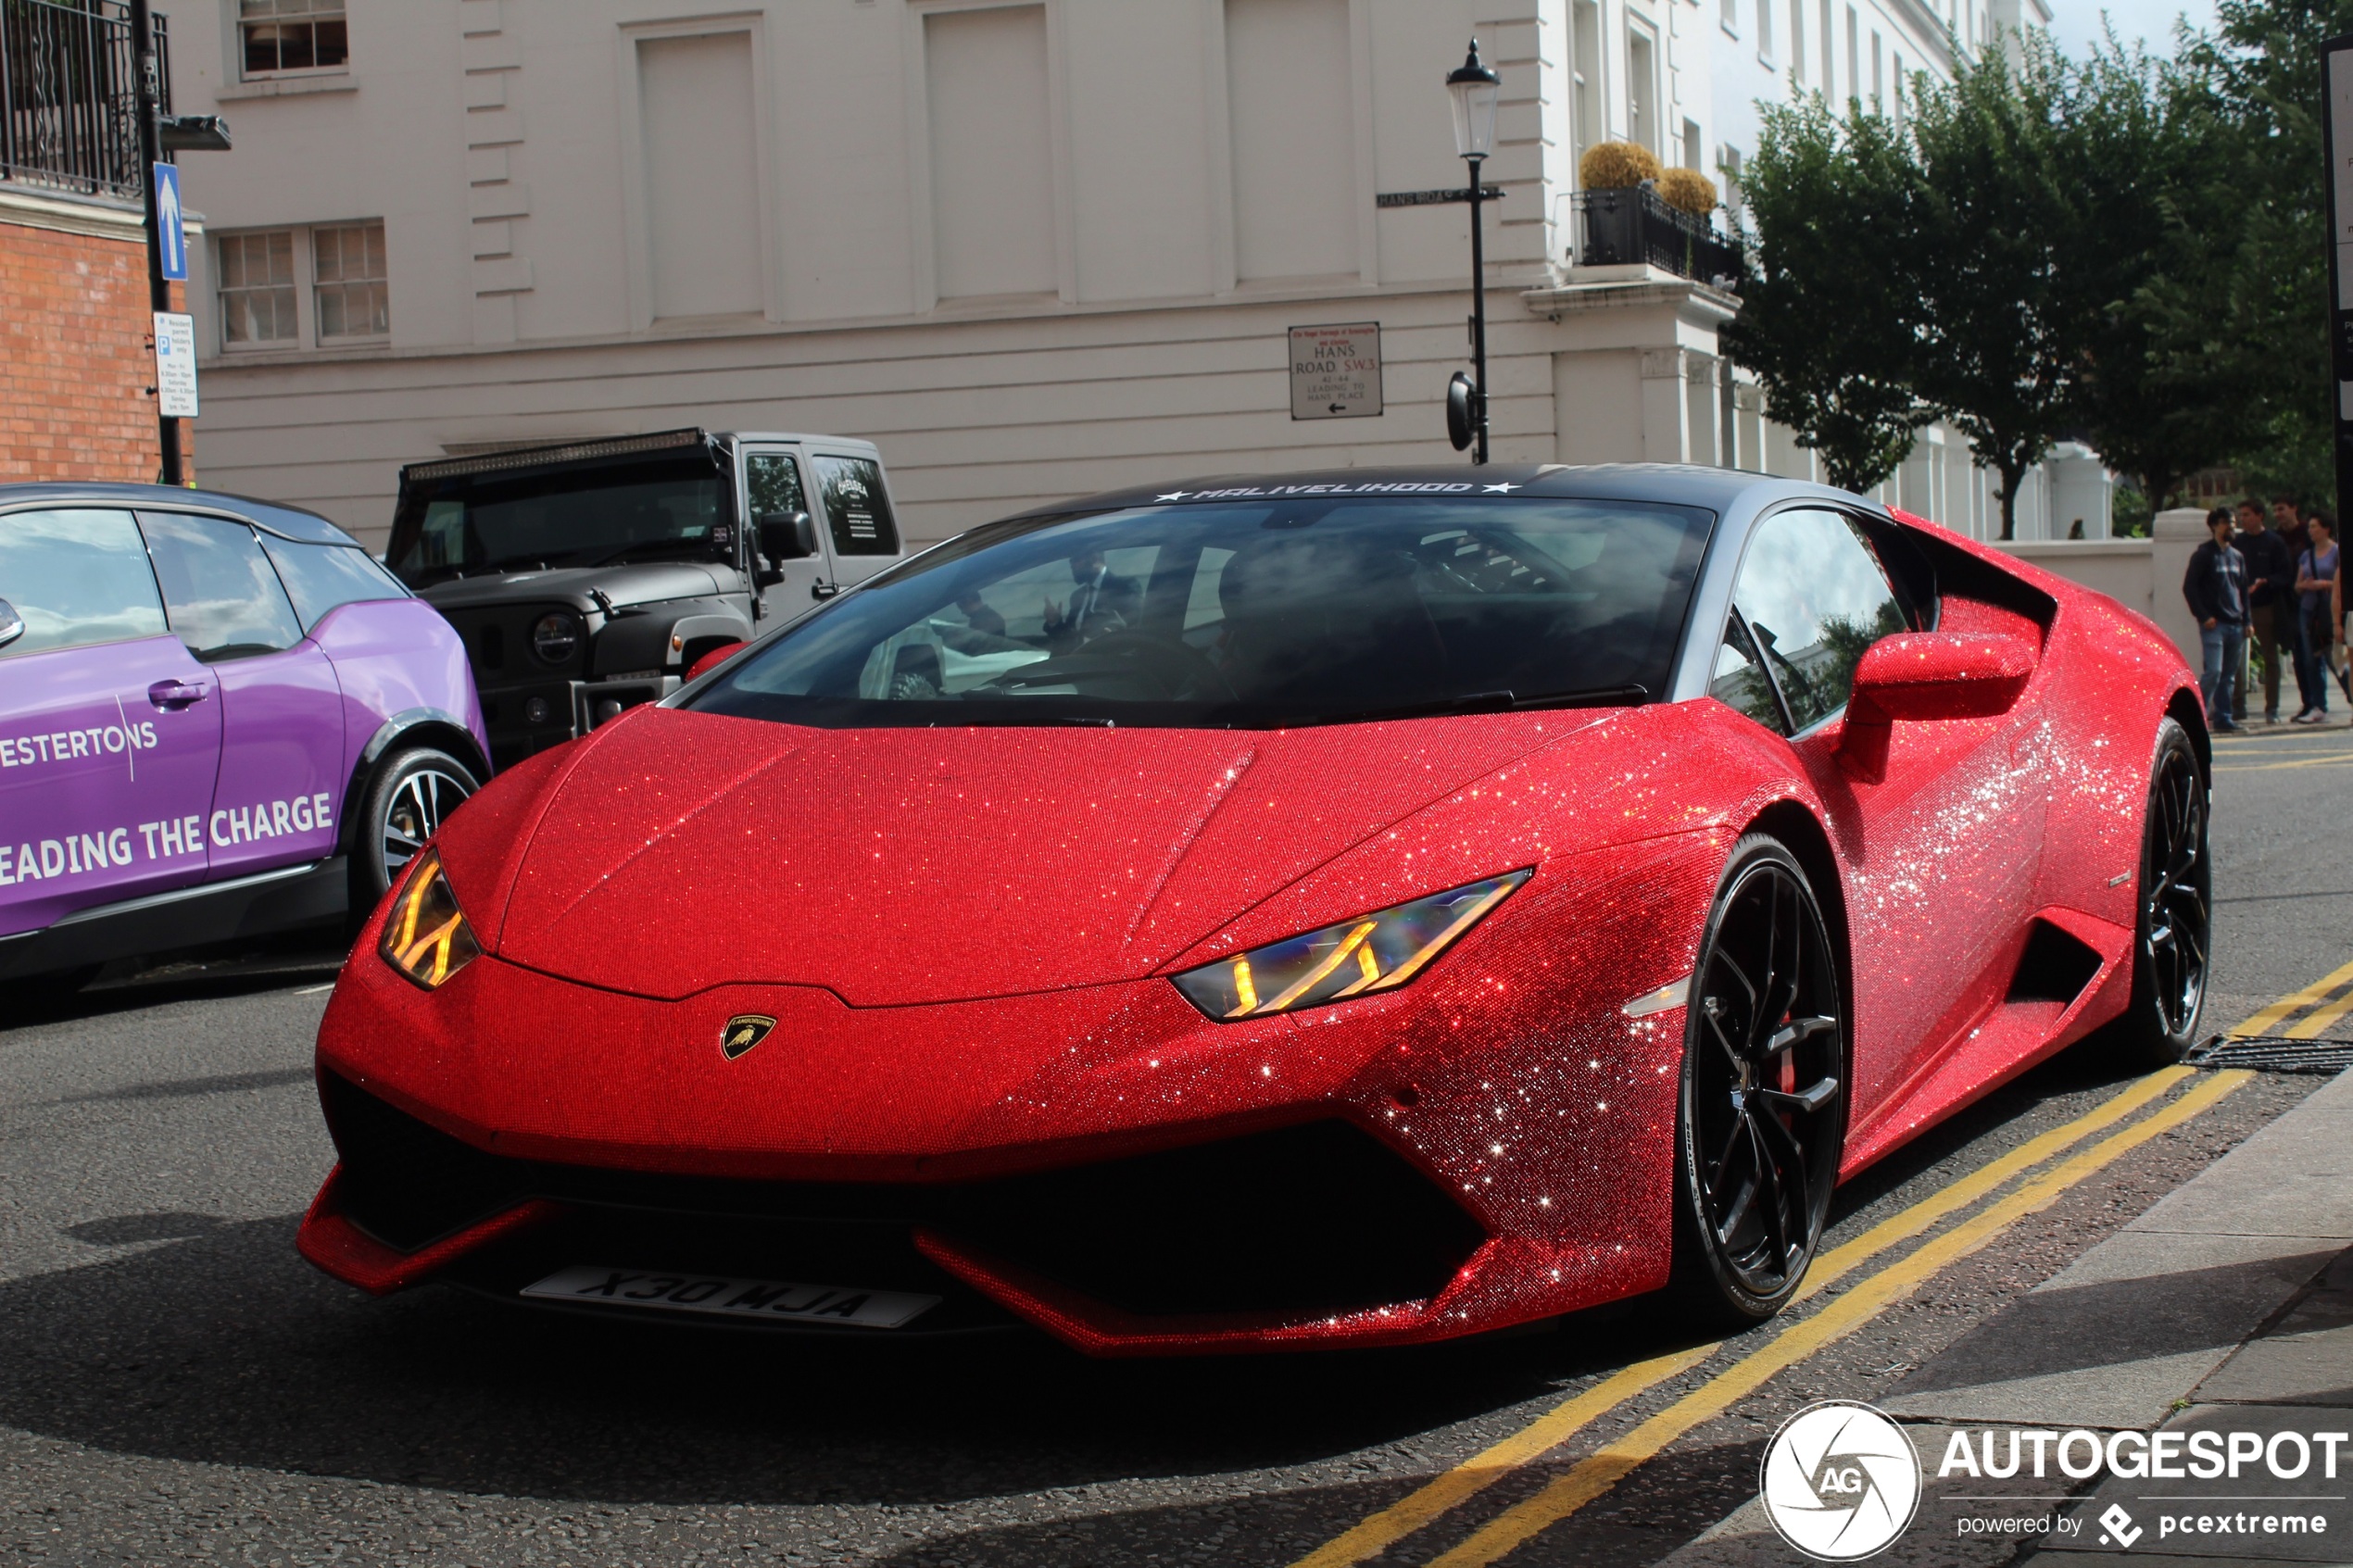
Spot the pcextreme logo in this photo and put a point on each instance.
(1840, 1481)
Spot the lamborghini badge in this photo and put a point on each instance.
(743, 1031)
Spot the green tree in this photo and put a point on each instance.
(1828, 318)
(2152, 266)
(2269, 306)
(2001, 341)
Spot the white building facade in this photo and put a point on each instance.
(1032, 248)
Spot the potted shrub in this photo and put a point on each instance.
(1614, 175)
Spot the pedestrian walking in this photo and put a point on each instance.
(2271, 603)
(2316, 571)
(2215, 586)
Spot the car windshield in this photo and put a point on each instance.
(1257, 614)
(665, 509)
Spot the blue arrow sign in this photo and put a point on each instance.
(171, 238)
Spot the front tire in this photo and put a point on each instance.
(2173, 925)
(1763, 1113)
(413, 793)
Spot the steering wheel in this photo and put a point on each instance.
(1187, 672)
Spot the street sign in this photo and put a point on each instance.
(1436, 198)
(175, 365)
(1335, 371)
(172, 235)
(2337, 138)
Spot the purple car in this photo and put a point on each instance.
(218, 718)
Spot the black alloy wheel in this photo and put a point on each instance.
(2174, 934)
(412, 794)
(1764, 1092)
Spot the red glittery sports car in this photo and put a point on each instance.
(1363, 908)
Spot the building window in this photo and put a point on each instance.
(1765, 30)
(1586, 21)
(284, 35)
(1642, 89)
(349, 262)
(258, 289)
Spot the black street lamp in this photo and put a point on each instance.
(1474, 88)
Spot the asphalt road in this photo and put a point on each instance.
(176, 1384)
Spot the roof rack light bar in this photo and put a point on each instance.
(531, 456)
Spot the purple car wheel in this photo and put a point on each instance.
(412, 795)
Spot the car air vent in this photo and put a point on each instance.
(1312, 1219)
(2054, 968)
(405, 1183)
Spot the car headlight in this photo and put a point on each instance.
(1356, 957)
(555, 638)
(426, 936)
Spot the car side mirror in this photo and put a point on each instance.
(1925, 676)
(783, 537)
(714, 658)
(787, 536)
(11, 624)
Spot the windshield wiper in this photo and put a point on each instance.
(1496, 702)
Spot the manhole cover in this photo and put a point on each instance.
(2274, 1056)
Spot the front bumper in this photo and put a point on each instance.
(1490, 1145)
(526, 718)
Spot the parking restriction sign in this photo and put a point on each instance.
(1335, 371)
(175, 365)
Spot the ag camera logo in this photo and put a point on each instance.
(1840, 1481)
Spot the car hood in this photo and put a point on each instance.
(627, 584)
(673, 851)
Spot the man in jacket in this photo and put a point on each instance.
(2270, 605)
(2215, 586)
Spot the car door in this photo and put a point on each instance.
(1943, 851)
(775, 484)
(281, 786)
(855, 515)
(110, 732)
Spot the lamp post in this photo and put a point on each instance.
(1474, 89)
(161, 134)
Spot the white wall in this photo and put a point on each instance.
(1032, 248)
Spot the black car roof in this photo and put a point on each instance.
(286, 523)
(1683, 485)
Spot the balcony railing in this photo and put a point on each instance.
(67, 120)
(1625, 227)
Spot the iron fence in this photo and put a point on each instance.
(67, 114)
(1628, 226)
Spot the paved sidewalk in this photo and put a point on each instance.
(2228, 1306)
(2278, 1205)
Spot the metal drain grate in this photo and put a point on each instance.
(2273, 1055)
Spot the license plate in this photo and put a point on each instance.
(724, 1296)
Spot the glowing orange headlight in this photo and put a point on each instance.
(426, 937)
(1357, 958)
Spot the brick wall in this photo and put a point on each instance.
(76, 359)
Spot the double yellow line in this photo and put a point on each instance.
(2312, 1025)
(1598, 1471)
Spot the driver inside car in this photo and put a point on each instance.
(1100, 601)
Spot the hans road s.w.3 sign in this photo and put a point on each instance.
(1335, 371)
